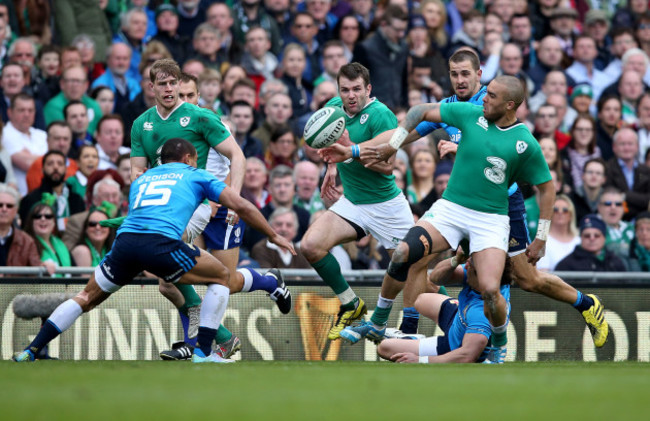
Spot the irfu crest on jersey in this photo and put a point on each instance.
(364, 118)
(148, 126)
(521, 146)
(184, 121)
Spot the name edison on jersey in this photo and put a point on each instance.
(147, 178)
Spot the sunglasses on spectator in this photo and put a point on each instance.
(7, 205)
(44, 216)
(610, 203)
(93, 224)
(561, 210)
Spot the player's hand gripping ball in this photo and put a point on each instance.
(324, 127)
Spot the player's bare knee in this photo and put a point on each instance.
(310, 249)
(420, 303)
(385, 349)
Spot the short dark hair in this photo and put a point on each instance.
(21, 97)
(280, 131)
(600, 161)
(109, 117)
(394, 11)
(603, 100)
(241, 103)
(59, 123)
(175, 149)
(50, 153)
(70, 104)
(48, 49)
(186, 77)
(466, 55)
(353, 71)
(244, 82)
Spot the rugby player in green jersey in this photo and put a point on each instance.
(371, 202)
(465, 77)
(496, 151)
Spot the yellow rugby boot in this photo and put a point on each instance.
(346, 318)
(595, 319)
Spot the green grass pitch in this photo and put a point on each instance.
(144, 390)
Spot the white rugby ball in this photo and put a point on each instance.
(324, 127)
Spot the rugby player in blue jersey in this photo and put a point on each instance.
(467, 329)
(161, 203)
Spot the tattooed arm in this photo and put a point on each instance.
(404, 134)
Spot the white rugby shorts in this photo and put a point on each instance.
(387, 221)
(455, 222)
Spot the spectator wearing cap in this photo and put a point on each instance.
(597, 27)
(591, 255)
(581, 98)
(583, 70)
(639, 258)
(167, 22)
(563, 26)
(441, 176)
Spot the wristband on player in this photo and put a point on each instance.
(454, 262)
(398, 137)
(356, 151)
(424, 360)
(543, 227)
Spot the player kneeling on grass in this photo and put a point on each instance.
(161, 203)
(467, 330)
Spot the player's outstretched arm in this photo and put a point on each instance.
(138, 166)
(406, 132)
(252, 216)
(536, 249)
(231, 150)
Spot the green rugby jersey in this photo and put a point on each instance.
(201, 127)
(360, 185)
(490, 159)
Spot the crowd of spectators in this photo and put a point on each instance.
(75, 76)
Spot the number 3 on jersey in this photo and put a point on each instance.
(155, 194)
(496, 173)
